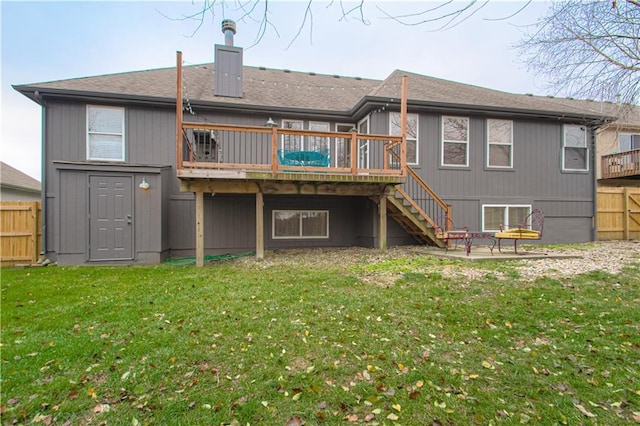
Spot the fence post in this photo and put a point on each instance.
(626, 212)
(33, 212)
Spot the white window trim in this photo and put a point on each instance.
(564, 147)
(300, 237)
(327, 126)
(122, 158)
(364, 145)
(505, 219)
(417, 162)
(311, 123)
(351, 125)
(334, 160)
(443, 141)
(489, 143)
(282, 126)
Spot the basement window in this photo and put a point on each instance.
(299, 224)
(105, 133)
(494, 216)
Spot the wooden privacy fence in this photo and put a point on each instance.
(20, 232)
(618, 213)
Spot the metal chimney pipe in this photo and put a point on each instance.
(228, 29)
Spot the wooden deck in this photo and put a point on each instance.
(621, 165)
(250, 153)
(223, 158)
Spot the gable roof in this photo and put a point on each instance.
(261, 87)
(437, 91)
(268, 89)
(15, 179)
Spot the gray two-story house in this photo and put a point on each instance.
(223, 157)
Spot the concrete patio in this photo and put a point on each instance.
(484, 254)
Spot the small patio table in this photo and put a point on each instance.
(467, 237)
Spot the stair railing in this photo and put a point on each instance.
(420, 195)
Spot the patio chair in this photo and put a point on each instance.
(530, 229)
(447, 232)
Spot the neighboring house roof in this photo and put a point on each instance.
(265, 88)
(14, 179)
(628, 117)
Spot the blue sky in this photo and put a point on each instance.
(45, 41)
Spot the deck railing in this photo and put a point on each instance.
(622, 164)
(251, 148)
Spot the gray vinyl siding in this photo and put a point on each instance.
(71, 222)
(230, 223)
(536, 178)
(182, 222)
(150, 136)
(165, 217)
(68, 220)
(65, 133)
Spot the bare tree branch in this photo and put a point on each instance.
(307, 13)
(512, 15)
(588, 49)
(450, 14)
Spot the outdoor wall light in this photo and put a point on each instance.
(144, 184)
(271, 123)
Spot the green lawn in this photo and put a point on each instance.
(239, 343)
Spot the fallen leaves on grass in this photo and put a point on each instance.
(584, 411)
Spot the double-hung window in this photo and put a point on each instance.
(499, 143)
(318, 143)
(363, 145)
(105, 133)
(455, 141)
(292, 224)
(495, 216)
(575, 152)
(342, 153)
(412, 134)
(292, 142)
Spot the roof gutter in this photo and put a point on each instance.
(20, 188)
(37, 95)
(364, 107)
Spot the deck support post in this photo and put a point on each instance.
(179, 117)
(382, 219)
(403, 126)
(259, 225)
(199, 229)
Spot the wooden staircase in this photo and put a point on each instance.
(414, 224)
(418, 209)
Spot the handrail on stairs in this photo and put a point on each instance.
(429, 207)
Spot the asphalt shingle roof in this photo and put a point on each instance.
(14, 178)
(263, 87)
